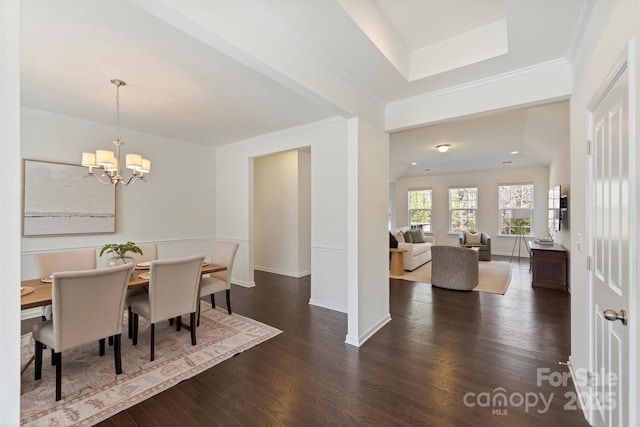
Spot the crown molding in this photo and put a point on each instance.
(481, 82)
(579, 28)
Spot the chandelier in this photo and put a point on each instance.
(109, 161)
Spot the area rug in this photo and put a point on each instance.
(493, 276)
(92, 392)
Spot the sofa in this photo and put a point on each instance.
(484, 245)
(418, 253)
(454, 267)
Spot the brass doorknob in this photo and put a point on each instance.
(614, 315)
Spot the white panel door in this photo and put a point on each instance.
(611, 250)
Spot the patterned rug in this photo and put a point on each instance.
(493, 276)
(92, 392)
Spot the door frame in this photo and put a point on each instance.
(625, 61)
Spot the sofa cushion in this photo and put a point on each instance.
(472, 238)
(417, 236)
(407, 237)
(393, 242)
(420, 248)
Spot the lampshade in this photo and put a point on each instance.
(105, 158)
(146, 166)
(89, 159)
(133, 161)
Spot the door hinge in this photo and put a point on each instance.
(588, 147)
(588, 263)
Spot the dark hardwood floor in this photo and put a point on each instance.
(443, 348)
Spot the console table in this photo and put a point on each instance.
(548, 265)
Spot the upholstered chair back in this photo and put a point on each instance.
(224, 253)
(87, 305)
(173, 287)
(51, 262)
(149, 253)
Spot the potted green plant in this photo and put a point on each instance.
(120, 251)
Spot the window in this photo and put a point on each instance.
(420, 209)
(515, 209)
(463, 207)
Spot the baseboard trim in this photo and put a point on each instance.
(369, 333)
(243, 283)
(282, 272)
(328, 305)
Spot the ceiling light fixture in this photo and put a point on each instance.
(514, 152)
(443, 148)
(110, 161)
(413, 164)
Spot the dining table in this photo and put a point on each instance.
(41, 295)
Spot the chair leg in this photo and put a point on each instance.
(110, 341)
(38, 365)
(101, 346)
(53, 359)
(116, 353)
(198, 313)
(213, 301)
(153, 333)
(228, 292)
(171, 322)
(58, 357)
(135, 329)
(130, 323)
(178, 323)
(192, 318)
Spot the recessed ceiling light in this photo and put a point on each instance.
(443, 148)
(506, 162)
(514, 152)
(413, 164)
(425, 170)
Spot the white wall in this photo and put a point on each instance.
(611, 26)
(10, 212)
(304, 210)
(368, 260)
(175, 208)
(282, 216)
(235, 214)
(487, 221)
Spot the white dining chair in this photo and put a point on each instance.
(173, 291)
(87, 305)
(224, 253)
(51, 262)
(149, 253)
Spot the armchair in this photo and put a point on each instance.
(485, 244)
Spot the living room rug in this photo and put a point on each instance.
(92, 392)
(493, 276)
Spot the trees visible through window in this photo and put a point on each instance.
(515, 209)
(463, 208)
(420, 209)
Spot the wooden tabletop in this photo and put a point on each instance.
(42, 294)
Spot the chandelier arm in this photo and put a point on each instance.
(99, 178)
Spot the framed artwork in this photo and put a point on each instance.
(58, 199)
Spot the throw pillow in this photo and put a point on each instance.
(407, 237)
(399, 236)
(393, 243)
(417, 236)
(472, 238)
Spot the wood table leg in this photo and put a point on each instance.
(397, 262)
